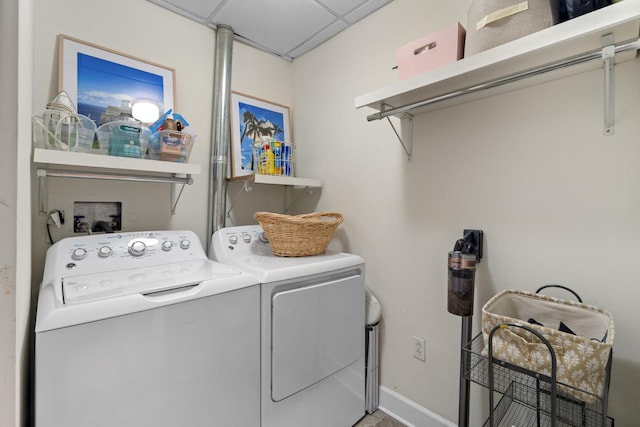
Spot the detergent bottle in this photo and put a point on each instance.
(266, 164)
(277, 154)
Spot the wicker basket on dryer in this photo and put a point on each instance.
(299, 235)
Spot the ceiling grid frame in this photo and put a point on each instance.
(286, 28)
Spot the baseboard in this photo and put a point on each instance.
(409, 412)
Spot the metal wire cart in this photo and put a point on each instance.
(528, 397)
(543, 385)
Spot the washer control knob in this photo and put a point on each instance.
(263, 237)
(246, 238)
(167, 245)
(185, 243)
(137, 248)
(233, 239)
(105, 252)
(79, 254)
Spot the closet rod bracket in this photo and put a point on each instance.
(608, 57)
(405, 136)
(43, 174)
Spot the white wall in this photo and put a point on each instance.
(531, 168)
(165, 38)
(557, 200)
(8, 209)
(15, 294)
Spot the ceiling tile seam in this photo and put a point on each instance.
(341, 16)
(251, 43)
(351, 21)
(183, 12)
(257, 45)
(211, 17)
(315, 34)
(327, 8)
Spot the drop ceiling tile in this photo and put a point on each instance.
(366, 9)
(287, 28)
(280, 25)
(198, 8)
(318, 39)
(341, 7)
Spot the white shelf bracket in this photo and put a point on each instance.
(246, 188)
(608, 57)
(175, 198)
(289, 188)
(42, 191)
(405, 136)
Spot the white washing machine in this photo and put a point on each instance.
(312, 323)
(142, 329)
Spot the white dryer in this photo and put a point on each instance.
(312, 323)
(142, 329)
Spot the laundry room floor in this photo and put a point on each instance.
(379, 419)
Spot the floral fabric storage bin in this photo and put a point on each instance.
(581, 336)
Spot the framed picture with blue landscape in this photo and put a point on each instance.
(256, 123)
(102, 82)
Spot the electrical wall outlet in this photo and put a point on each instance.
(56, 217)
(419, 348)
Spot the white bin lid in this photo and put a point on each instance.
(373, 310)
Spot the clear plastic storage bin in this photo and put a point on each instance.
(171, 146)
(62, 130)
(124, 139)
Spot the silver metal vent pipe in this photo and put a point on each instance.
(220, 138)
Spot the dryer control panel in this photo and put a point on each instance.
(241, 241)
(246, 247)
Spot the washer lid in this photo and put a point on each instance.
(146, 280)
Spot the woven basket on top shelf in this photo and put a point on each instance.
(299, 235)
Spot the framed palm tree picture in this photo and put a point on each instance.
(255, 123)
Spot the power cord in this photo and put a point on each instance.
(49, 233)
(56, 217)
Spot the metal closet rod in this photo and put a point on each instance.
(113, 176)
(579, 59)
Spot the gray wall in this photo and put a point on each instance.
(8, 208)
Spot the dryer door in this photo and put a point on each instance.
(317, 330)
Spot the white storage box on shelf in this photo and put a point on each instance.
(62, 130)
(432, 51)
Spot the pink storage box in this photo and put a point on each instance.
(436, 49)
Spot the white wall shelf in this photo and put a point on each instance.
(287, 181)
(491, 70)
(66, 164)
(293, 181)
(97, 161)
